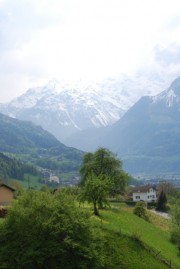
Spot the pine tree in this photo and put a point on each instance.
(161, 202)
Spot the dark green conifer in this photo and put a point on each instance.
(161, 202)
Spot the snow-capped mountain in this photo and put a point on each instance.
(171, 96)
(64, 109)
(146, 138)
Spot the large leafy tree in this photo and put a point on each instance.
(104, 163)
(101, 174)
(47, 231)
(96, 191)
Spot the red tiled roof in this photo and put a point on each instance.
(144, 188)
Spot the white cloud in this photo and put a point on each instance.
(71, 39)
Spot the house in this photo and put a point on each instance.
(145, 193)
(6, 194)
(54, 179)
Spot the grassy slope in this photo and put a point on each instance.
(118, 222)
(121, 219)
(126, 253)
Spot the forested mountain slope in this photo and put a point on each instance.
(26, 139)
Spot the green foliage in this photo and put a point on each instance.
(175, 228)
(161, 202)
(140, 210)
(46, 231)
(176, 212)
(103, 162)
(96, 190)
(12, 168)
(49, 231)
(21, 136)
(101, 173)
(175, 235)
(31, 143)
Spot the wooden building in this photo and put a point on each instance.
(6, 194)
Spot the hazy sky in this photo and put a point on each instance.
(92, 39)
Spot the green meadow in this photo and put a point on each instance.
(153, 236)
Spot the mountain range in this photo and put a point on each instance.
(143, 131)
(65, 109)
(147, 137)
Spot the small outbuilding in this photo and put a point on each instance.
(145, 193)
(6, 194)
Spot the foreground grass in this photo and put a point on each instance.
(120, 219)
(128, 253)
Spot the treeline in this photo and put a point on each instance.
(12, 168)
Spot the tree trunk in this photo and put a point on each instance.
(96, 212)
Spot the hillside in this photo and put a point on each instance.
(153, 235)
(19, 136)
(11, 168)
(119, 238)
(146, 138)
(31, 143)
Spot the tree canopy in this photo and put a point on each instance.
(101, 174)
(47, 231)
(104, 163)
(96, 191)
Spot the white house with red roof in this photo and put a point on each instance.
(144, 193)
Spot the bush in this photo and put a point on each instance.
(175, 236)
(140, 210)
(47, 231)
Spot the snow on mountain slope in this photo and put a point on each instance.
(170, 96)
(64, 109)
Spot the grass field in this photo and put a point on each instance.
(128, 253)
(154, 234)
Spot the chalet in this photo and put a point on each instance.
(145, 193)
(6, 194)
